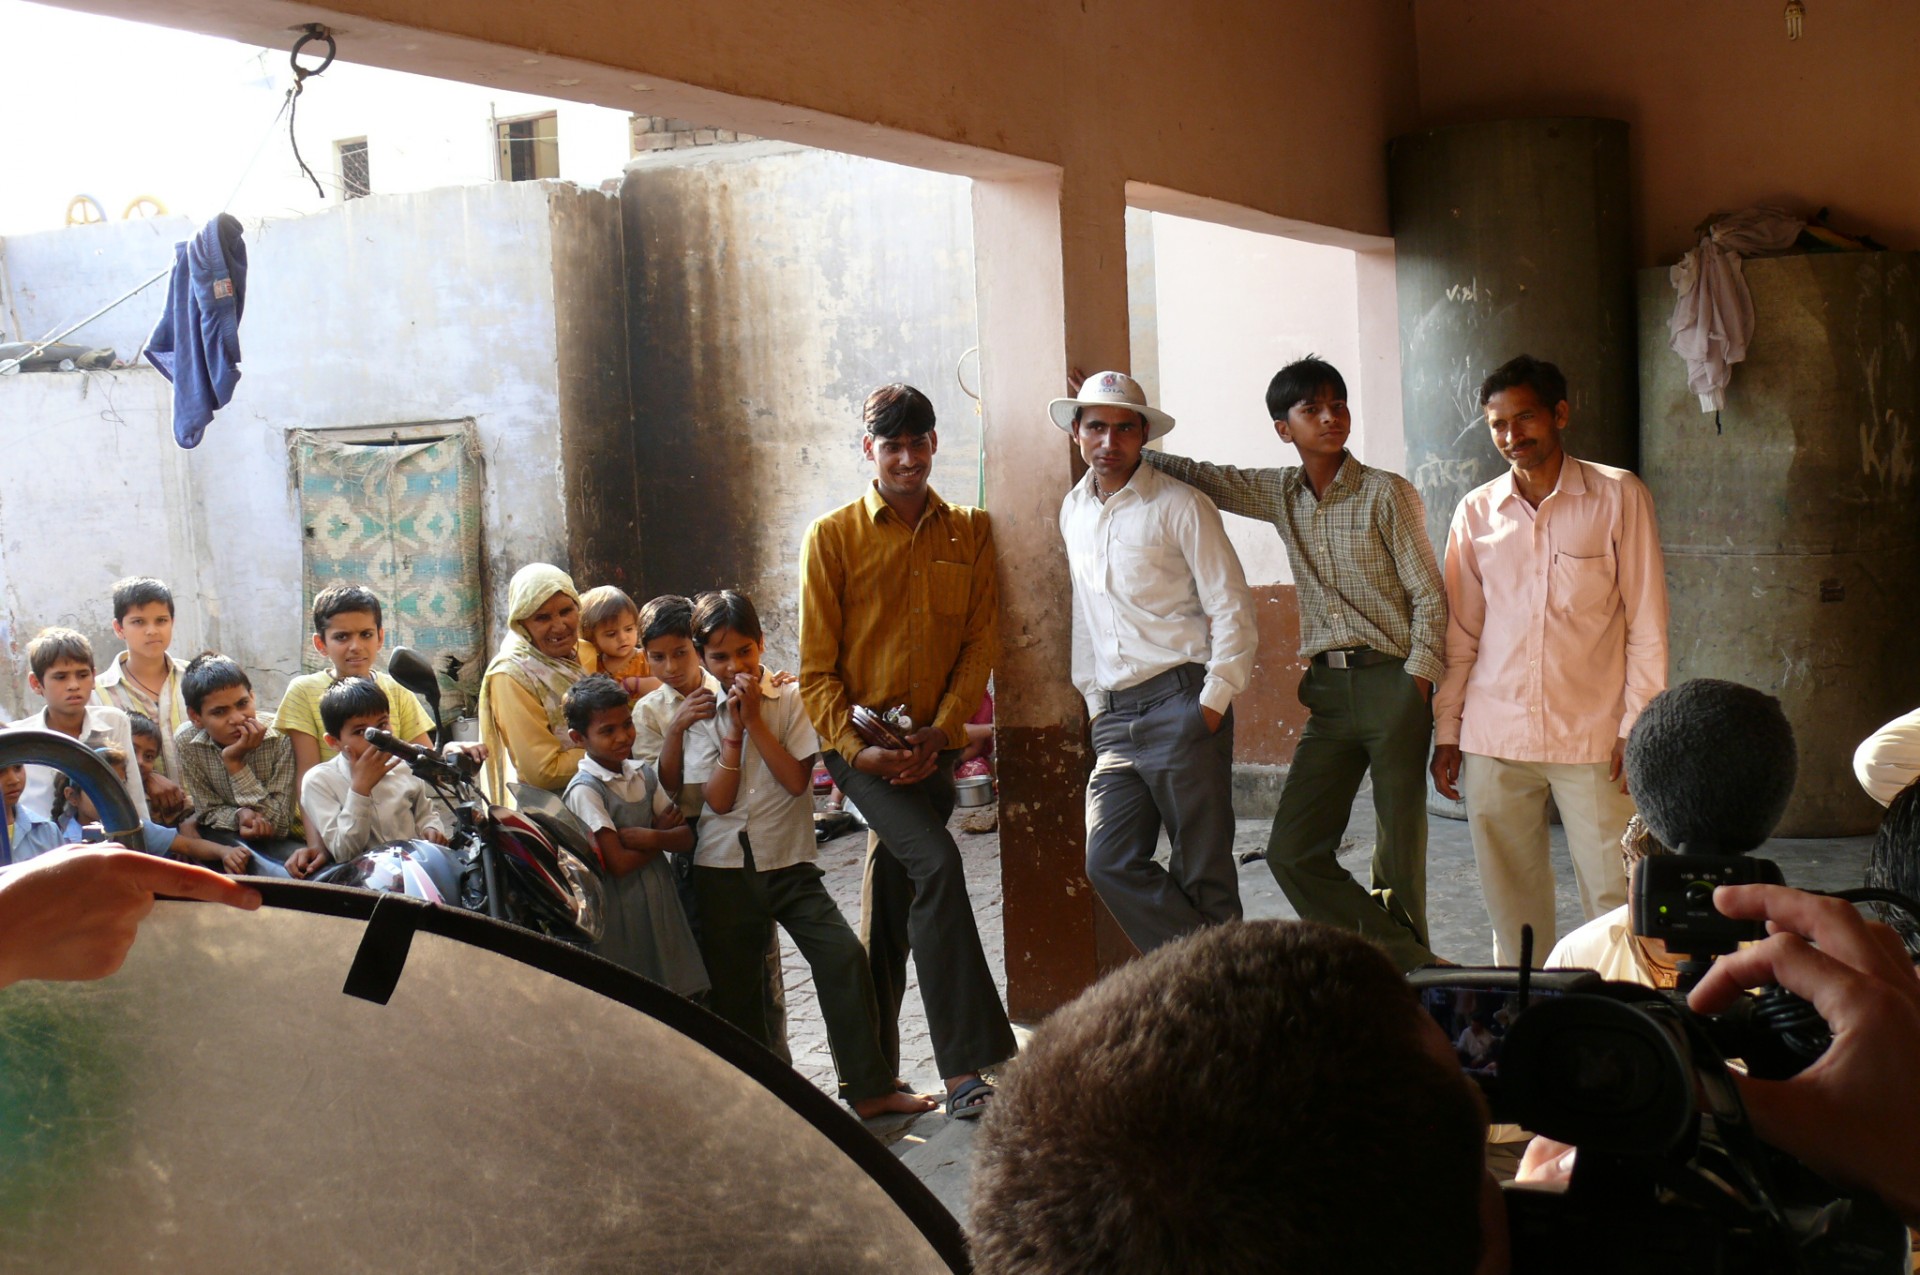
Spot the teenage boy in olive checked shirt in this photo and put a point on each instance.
(899, 604)
(1373, 623)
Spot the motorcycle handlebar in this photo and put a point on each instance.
(386, 742)
(422, 759)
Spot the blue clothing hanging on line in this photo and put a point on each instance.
(196, 344)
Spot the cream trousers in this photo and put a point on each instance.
(1507, 817)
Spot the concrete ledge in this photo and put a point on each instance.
(1256, 794)
(1256, 790)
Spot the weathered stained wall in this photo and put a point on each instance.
(1723, 110)
(600, 464)
(772, 289)
(350, 321)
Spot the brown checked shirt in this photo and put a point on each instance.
(897, 615)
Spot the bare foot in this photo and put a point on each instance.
(889, 1104)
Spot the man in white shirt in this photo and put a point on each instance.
(1163, 639)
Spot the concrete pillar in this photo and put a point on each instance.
(1051, 282)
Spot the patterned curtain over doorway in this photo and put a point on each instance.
(401, 518)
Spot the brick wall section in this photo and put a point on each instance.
(663, 133)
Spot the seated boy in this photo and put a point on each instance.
(632, 823)
(238, 772)
(753, 862)
(178, 835)
(144, 678)
(61, 661)
(610, 640)
(347, 630)
(28, 834)
(361, 797)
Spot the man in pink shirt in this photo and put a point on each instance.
(1556, 639)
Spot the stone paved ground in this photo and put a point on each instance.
(1456, 915)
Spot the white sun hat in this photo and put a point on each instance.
(1110, 389)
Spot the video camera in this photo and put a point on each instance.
(1670, 1174)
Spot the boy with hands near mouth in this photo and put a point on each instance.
(754, 860)
(363, 797)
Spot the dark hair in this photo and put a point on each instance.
(108, 753)
(724, 609)
(602, 606)
(139, 591)
(1894, 863)
(893, 410)
(668, 615)
(1711, 765)
(339, 599)
(350, 698)
(1254, 1097)
(143, 727)
(206, 673)
(1299, 381)
(1544, 379)
(50, 646)
(589, 696)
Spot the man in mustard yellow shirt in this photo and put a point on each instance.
(899, 607)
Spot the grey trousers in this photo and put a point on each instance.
(1155, 764)
(965, 1016)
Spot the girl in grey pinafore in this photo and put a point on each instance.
(647, 930)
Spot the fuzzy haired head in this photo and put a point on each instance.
(1255, 1097)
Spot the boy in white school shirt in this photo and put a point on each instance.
(361, 797)
(754, 858)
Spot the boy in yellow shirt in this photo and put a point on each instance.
(347, 630)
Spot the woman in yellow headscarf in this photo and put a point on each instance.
(524, 687)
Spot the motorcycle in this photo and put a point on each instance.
(526, 867)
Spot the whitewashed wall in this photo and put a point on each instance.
(385, 311)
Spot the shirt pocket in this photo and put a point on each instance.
(951, 585)
(1581, 584)
(1137, 565)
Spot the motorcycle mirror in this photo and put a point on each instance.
(409, 668)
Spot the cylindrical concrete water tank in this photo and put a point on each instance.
(1792, 524)
(1511, 238)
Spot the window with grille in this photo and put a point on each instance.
(356, 178)
(529, 148)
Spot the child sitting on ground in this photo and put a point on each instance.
(61, 664)
(347, 630)
(610, 640)
(238, 772)
(180, 838)
(28, 834)
(754, 860)
(362, 797)
(632, 823)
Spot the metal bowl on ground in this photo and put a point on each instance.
(974, 790)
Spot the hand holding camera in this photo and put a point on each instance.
(1854, 1115)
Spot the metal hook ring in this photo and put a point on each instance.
(314, 32)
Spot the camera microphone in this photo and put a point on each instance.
(1711, 766)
